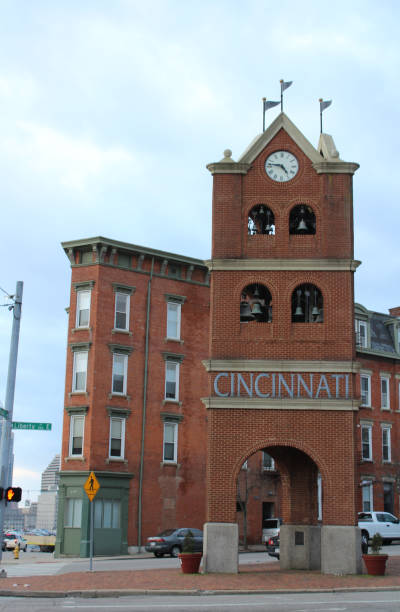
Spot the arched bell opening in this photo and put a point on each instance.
(302, 220)
(307, 304)
(256, 304)
(261, 220)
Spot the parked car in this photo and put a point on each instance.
(10, 540)
(273, 546)
(170, 541)
(384, 523)
(271, 528)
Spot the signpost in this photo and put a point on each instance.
(3, 413)
(91, 487)
(22, 425)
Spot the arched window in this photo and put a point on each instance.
(307, 304)
(302, 220)
(255, 304)
(261, 220)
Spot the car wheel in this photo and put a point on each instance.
(158, 554)
(175, 550)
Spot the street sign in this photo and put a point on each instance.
(21, 425)
(91, 486)
(3, 413)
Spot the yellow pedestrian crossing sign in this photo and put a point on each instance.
(91, 486)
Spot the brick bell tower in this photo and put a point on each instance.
(282, 355)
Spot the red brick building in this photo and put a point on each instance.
(165, 373)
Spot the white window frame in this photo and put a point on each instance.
(367, 497)
(386, 444)
(122, 420)
(385, 395)
(117, 355)
(367, 428)
(170, 426)
(80, 295)
(74, 419)
(367, 377)
(361, 336)
(172, 366)
(73, 512)
(270, 468)
(175, 307)
(75, 371)
(107, 513)
(127, 297)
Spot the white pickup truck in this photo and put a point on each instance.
(384, 523)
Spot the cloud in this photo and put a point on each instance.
(74, 163)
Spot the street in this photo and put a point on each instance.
(387, 601)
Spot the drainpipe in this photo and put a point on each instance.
(145, 375)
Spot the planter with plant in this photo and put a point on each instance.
(190, 560)
(375, 562)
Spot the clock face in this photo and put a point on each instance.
(281, 166)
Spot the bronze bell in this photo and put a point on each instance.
(257, 310)
(245, 312)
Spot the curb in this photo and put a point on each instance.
(93, 594)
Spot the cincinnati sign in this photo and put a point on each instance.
(287, 385)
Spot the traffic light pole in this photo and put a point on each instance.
(9, 402)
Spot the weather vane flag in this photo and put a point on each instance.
(322, 106)
(267, 104)
(284, 85)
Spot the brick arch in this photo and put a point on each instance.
(252, 279)
(298, 478)
(285, 211)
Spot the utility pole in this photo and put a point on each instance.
(9, 401)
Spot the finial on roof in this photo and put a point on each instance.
(227, 159)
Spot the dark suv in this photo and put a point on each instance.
(170, 541)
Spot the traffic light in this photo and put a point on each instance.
(13, 494)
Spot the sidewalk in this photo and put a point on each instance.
(260, 578)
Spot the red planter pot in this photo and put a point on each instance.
(190, 562)
(375, 564)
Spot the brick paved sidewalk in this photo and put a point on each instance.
(251, 578)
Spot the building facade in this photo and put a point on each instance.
(172, 383)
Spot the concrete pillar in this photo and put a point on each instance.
(300, 547)
(221, 548)
(340, 550)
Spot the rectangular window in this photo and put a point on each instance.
(172, 380)
(361, 333)
(268, 463)
(386, 450)
(77, 425)
(367, 497)
(365, 390)
(170, 445)
(385, 397)
(366, 441)
(122, 311)
(82, 308)
(79, 371)
(173, 320)
(117, 437)
(120, 365)
(73, 512)
(107, 513)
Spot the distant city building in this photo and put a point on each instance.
(47, 502)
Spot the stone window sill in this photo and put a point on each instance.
(172, 401)
(116, 460)
(75, 458)
(121, 331)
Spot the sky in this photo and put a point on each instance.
(109, 113)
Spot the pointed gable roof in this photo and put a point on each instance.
(262, 140)
(324, 160)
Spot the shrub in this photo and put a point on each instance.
(188, 543)
(376, 543)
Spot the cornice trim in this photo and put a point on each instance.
(333, 265)
(267, 365)
(335, 167)
(228, 168)
(240, 403)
